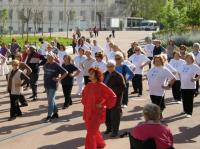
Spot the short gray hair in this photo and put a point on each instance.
(196, 45)
(151, 112)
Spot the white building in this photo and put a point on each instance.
(52, 14)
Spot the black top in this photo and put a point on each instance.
(70, 68)
(52, 71)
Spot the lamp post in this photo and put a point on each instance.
(95, 9)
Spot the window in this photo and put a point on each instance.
(83, 14)
(50, 15)
(92, 15)
(61, 16)
(10, 14)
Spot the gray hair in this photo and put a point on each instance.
(196, 45)
(111, 63)
(151, 112)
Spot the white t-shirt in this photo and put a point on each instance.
(78, 60)
(96, 49)
(111, 55)
(148, 48)
(177, 64)
(43, 48)
(101, 65)
(171, 69)
(61, 55)
(187, 72)
(138, 60)
(197, 58)
(158, 77)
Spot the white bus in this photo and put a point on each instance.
(149, 25)
(132, 23)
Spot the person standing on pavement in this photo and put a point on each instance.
(126, 72)
(67, 82)
(188, 79)
(148, 48)
(52, 70)
(23, 67)
(140, 61)
(158, 49)
(159, 79)
(116, 82)
(34, 60)
(78, 60)
(95, 104)
(177, 63)
(99, 63)
(86, 65)
(16, 79)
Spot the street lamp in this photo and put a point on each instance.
(95, 9)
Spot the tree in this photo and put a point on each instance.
(3, 21)
(70, 16)
(193, 14)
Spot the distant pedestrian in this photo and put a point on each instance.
(113, 33)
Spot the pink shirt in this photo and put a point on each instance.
(161, 134)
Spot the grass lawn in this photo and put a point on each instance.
(34, 40)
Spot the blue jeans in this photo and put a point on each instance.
(52, 108)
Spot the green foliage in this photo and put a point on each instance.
(34, 40)
(3, 20)
(193, 14)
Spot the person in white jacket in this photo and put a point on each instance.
(78, 60)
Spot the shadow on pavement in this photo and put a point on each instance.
(187, 134)
(70, 144)
(62, 128)
(132, 117)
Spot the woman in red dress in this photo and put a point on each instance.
(96, 97)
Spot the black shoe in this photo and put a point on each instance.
(19, 115)
(107, 132)
(24, 105)
(55, 115)
(48, 119)
(134, 92)
(65, 106)
(34, 99)
(32, 96)
(11, 118)
(139, 95)
(114, 135)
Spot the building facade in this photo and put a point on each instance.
(55, 15)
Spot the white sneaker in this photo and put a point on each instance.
(124, 106)
(188, 115)
(179, 102)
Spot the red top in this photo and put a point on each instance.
(161, 134)
(93, 94)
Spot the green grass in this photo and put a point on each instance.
(34, 40)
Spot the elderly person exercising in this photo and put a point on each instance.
(153, 129)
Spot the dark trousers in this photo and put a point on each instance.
(14, 106)
(150, 63)
(22, 100)
(137, 83)
(33, 82)
(197, 87)
(158, 100)
(125, 95)
(113, 119)
(86, 80)
(188, 97)
(176, 90)
(67, 89)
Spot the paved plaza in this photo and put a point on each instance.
(68, 132)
